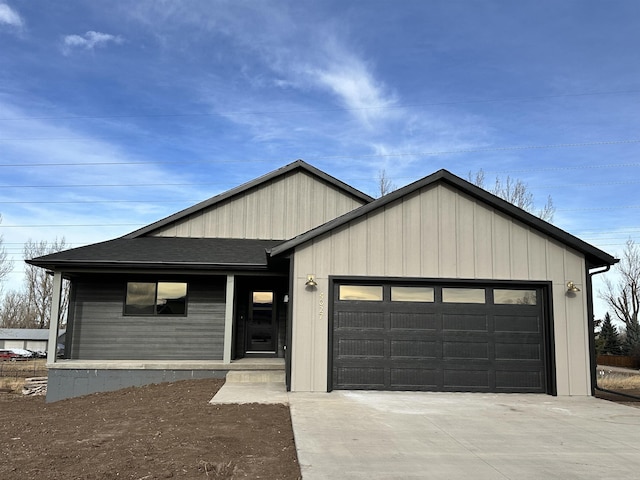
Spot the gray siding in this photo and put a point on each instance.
(101, 331)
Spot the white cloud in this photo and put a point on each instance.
(9, 16)
(89, 40)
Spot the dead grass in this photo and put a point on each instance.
(27, 368)
(11, 384)
(618, 381)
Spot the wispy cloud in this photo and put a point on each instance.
(8, 16)
(89, 41)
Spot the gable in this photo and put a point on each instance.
(435, 232)
(594, 256)
(279, 209)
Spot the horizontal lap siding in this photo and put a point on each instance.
(102, 332)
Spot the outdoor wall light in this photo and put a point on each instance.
(311, 280)
(572, 287)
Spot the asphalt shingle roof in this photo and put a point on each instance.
(162, 252)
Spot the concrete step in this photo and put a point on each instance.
(255, 376)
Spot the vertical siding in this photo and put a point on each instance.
(439, 233)
(102, 332)
(279, 209)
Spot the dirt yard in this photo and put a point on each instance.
(158, 431)
(161, 431)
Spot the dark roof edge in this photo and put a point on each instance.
(594, 256)
(147, 264)
(298, 164)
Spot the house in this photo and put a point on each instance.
(34, 339)
(438, 286)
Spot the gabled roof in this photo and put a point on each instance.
(594, 256)
(165, 253)
(297, 165)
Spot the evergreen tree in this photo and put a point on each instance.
(609, 340)
(632, 340)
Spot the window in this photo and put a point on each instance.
(156, 298)
(412, 294)
(514, 297)
(365, 293)
(463, 295)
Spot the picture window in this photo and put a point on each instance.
(156, 298)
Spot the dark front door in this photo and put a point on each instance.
(260, 316)
(261, 323)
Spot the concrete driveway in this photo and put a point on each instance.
(398, 435)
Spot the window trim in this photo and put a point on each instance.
(155, 305)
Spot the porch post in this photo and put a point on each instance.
(228, 319)
(52, 349)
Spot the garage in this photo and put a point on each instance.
(398, 335)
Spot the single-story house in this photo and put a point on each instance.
(34, 339)
(437, 286)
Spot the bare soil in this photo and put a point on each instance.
(157, 431)
(623, 399)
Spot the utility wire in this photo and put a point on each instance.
(336, 157)
(341, 109)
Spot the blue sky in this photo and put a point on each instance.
(116, 114)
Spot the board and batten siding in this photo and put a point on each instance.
(279, 209)
(100, 331)
(438, 232)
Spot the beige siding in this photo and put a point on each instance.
(438, 233)
(280, 209)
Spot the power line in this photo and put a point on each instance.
(341, 109)
(335, 157)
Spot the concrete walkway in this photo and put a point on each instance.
(398, 435)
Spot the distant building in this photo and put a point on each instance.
(34, 339)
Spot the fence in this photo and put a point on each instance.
(618, 361)
(24, 369)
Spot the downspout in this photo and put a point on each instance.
(592, 347)
(591, 326)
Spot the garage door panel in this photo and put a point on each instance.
(519, 380)
(466, 350)
(518, 351)
(435, 346)
(355, 377)
(370, 320)
(465, 322)
(465, 379)
(349, 348)
(415, 348)
(517, 324)
(415, 378)
(415, 321)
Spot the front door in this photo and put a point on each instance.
(261, 323)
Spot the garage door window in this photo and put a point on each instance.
(412, 294)
(514, 297)
(363, 293)
(463, 295)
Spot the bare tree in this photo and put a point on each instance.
(517, 192)
(623, 296)
(14, 311)
(5, 264)
(39, 284)
(384, 183)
